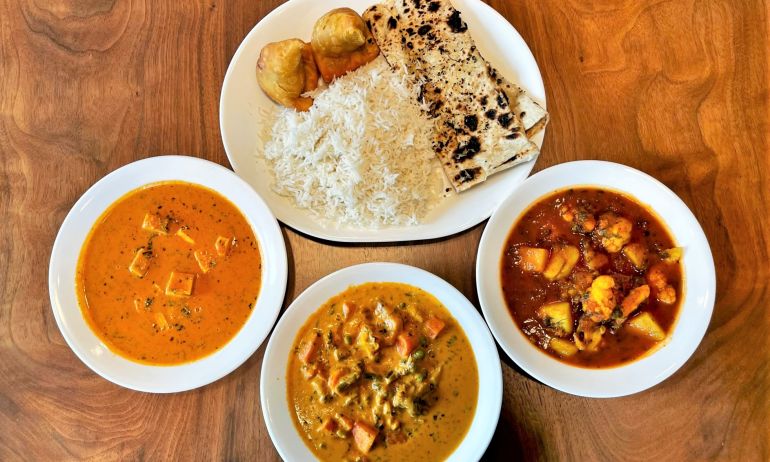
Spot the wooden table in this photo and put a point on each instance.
(677, 89)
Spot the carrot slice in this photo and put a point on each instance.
(405, 344)
(433, 327)
(364, 436)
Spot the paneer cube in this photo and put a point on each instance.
(636, 254)
(182, 234)
(645, 324)
(160, 321)
(205, 260)
(345, 423)
(180, 284)
(223, 245)
(141, 263)
(562, 347)
(532, 258)
(405, 344)
(364, 436)
(154, 223)
(557, 317)
(433, 327)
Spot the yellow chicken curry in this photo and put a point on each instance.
(169, 273)
(592, 277)
(382, 372)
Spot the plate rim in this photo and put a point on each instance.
(273, 297)
(339, 281)
(403, 233)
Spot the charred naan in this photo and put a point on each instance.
(482, 122)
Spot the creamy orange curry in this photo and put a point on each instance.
(382, 372)
(169, 273)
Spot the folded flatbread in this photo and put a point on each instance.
(482, 121)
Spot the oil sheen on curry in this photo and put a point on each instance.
(382, 372)
(169, 273)
(592, 277)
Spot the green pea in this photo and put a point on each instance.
(419, 353)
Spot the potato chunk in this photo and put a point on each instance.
(364, 436)
(672, 255)
(636, 254)
(205, 260)
(563, 260)
(155, 223)
(180, 284)
(645, 324)
(557, 317)
(532, 258)
(141, 263)
(562, 347)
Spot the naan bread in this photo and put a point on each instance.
(479, 126)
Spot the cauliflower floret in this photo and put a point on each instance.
(588, 335)
(601, 299)
(657, 279)
(582, 221)
(613, 231)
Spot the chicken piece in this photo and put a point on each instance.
(664, 292)
(588, 335)
(557, 317)
(613, 231)
(601, 299)
(285, 71)
(391, 321)
(582, 221)
(341, 43)
(180, 284)
(636, 254)
(532, 258)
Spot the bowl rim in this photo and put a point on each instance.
(273, 397)
(76, 227)
(695, 309)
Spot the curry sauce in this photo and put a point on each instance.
(592, 277)
(169, 273)
(382, 372)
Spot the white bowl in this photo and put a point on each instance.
(275, 405)
(699, 282)
(73, 232)
(244, 110)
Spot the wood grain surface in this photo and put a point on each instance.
(678, 89)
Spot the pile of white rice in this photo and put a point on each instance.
(361, 155)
